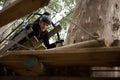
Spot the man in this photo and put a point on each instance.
(40, 31)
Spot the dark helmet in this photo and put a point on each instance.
(46, 19)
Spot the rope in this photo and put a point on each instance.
(28, 18)
(82, 29)
(78, 26)
(3, 53)
(11, 32)
(27, 37)
(21, 45)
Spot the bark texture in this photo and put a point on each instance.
(99, 18)
(96, 17)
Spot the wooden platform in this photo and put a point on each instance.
(19, 9)
(16, 60)
(27, 44)
(53, 78)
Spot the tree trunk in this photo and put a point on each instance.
(93, 18)
(96, 17)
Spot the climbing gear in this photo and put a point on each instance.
(79, 27)
(43, 15)
(27, 37)
(58, 35)
(14, 41)
(26, 30)
(60, 41)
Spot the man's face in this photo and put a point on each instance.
(43, 26)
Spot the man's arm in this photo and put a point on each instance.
(46, 41)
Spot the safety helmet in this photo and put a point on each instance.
(46, 19)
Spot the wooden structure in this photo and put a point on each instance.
(40, 62)
(16, 11)
(53, 78)
(21, 36)
(18, 61)
(82, 57)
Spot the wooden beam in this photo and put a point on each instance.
(84, 44)
(55, 30)
(69, 57)
(13, 42)
(52, 78)
(19, 9)
(21, 36)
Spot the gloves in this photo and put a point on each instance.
(60, 41)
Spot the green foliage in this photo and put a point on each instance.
(59, 10)
(2, 2)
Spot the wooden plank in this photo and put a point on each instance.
(24, 66)
(37, 44)
(52, 78)
(15, 10)
(21, 69)
(21, 36)
(13, 42)
(70, 57)
(61, 58)
(55, 30)
(84, 44)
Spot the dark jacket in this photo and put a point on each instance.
(44, 36)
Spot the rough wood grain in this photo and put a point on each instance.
(81, 57)
(15, 10)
